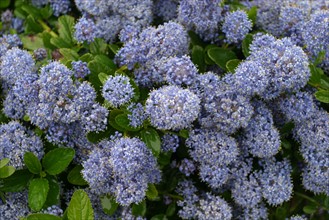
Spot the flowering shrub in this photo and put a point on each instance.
(164, 109)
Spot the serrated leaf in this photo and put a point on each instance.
(16, 182)
(4, 162)
(123, 121)
(56, 161)
(221, 56)
(6, 171)
(198, 57)
(32, 163)
(151, 192)
(309, 209)
(139, 209)
(75, 176)
(80, 207)
(231, 65)
(38, 190)
(109, 204)
(322, 96)
(246, 44)
(152, 140)
(39, 216)
(54, 192)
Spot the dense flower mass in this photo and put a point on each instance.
(164, 109)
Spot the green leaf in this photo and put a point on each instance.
(31, 26)
(309, 209)
(46, 37)
(113, 114)
(16, 182)
(164, 158)
(54, 192)
(281, 213)
(75, 177)
(139, 209)
(98, 46)
(66, 28)
(152, 140)
(39, 216)
(59, 43)
(32, 162)
(315, 75)
(324, 83)
(171, 209)
(109, 204)
(6, 171)
(32, 42)
(195, 39)
(151, 192)
(31, 10)
(114, 48)
(56, 161)
(320, 58)
(183, 133)
(231, 65)
(123, 121)
(4, 3)
(103, 77)
(221, 56)
(106, 63)
(198, 57)
(246, 44)
(87, 57)
(38, 190)
(4, 162)
(69, 54)
(322, 96)
(252, 14)
(159, 217)
(80, 207)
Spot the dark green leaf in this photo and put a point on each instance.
(151, 192)
(98, 46)
(322, 96)
(4, 162)
(139, 209)
(32, 26)
(159, 217)
(114, 48)
(46, 12)
(38, 190)
(80, 207)
(123, 121)
(171, 209)
(106, 62)
(46, 37)
(87, 57)
(252, 14)
(6, 171)
(183, 133)
(39, 216)
(195, 39)
(75, 176)
(198, 57)
(109, 204)
(113, 114)
(164, 158)
(207, 59)
(316, 74)
(31, 10)
(54, 192)
(32, 163)
(221, 56)
(231, 65)
(152, 140)
(320, 58)
(16, 182)
(56, 161)
(281, 213)
(59, 43)
(324, 83)
(309, 209)
(246, 44)
(4, 3)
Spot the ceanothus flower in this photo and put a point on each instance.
(85, 30)
(202, 17)
(40, 54)
(80, 69)
(315, 179)
(118, 90)
(275, 180)
(187, 167)
(15, 205)
(15, 141)
(166, 9)
(60, 7)
(169, 142)
(137, 114)
(236, 26)
(172, 107)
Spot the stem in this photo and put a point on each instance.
(307, 197)
(47, 28)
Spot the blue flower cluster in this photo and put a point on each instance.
(125, 167)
